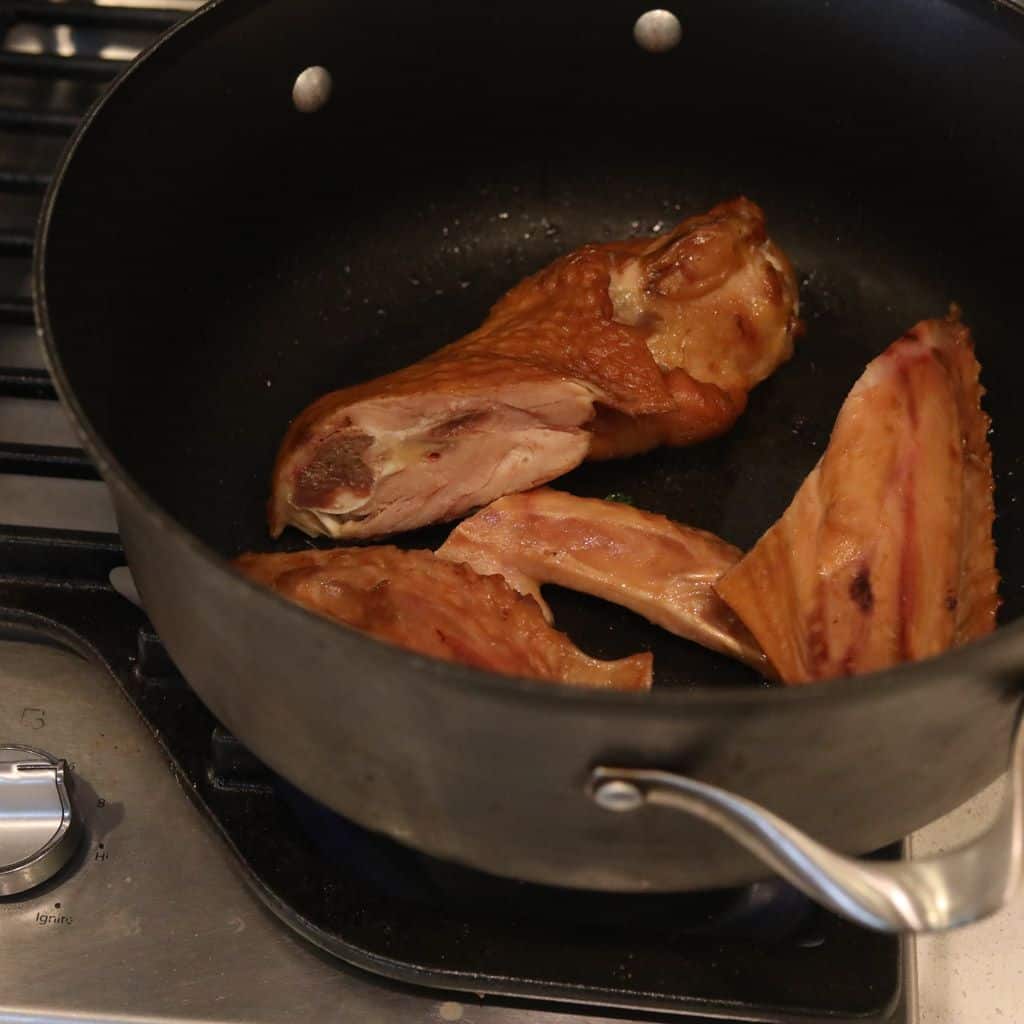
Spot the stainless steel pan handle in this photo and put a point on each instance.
(932, 894)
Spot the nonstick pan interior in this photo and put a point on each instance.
(243, 258)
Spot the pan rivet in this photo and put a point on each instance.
(312, 89)
(618, 795)
(657, 31)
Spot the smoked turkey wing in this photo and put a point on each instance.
(885, 554)
(662, 570)
(611, 350)
(426, 604)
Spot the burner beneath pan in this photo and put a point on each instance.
(767, 911)
(764, 948)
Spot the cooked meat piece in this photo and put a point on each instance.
(611, 350)
(720, 301)
(659, 569)
(886, 553)
(701, 411)
(426, 604)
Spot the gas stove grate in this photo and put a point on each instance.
(357, 895)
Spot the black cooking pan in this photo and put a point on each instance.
(212, 259)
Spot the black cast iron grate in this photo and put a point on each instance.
(763, 953)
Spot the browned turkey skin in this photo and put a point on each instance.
(426, 604)
(612, 350)
(885, 554)
(662, 570)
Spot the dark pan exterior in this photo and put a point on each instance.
(212, 259)
(492, 775)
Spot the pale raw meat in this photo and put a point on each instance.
(885, 554)
(662, 570)
(611, 350)
(426, 604)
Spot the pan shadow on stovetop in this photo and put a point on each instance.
(382, 905)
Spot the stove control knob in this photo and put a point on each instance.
(38, 828)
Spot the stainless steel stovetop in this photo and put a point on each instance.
(151, 920)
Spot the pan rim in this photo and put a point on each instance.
(989, 656)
